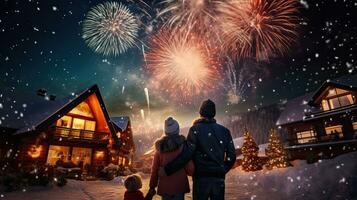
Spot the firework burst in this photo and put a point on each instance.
(181, 63)
(110, 29)
(242, 78)
(259, 29)
(182, 13)
(198, 16)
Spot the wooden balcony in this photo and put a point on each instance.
(322, 139)
(68, 134)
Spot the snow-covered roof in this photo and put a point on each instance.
(348, 80)
(122, 122)
(25, 112)
(296, 109)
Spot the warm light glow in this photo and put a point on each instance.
(34, 151)
(99, 154)
(182, 62)
(188, 63)
(82, 109)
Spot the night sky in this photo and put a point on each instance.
(42, 47)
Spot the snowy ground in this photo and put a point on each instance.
(328, 179)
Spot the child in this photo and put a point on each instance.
(168, 148)
(133, 184)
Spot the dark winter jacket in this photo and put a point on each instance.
(211, 148)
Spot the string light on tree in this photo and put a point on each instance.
(275, 152)
(250, 150)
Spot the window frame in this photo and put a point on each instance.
(304, 140)
(336, 96)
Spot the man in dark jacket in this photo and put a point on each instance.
(211, 148)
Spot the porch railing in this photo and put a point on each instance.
(80, 135)
(312, 139)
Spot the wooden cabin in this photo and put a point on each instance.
(123, 130)
(40, 130)
(322, 124)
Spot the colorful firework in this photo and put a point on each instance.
(183, 12)
(259, 29)
(242, 78)
(198, 16)
(181, 65)
(110, 29)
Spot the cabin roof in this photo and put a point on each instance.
(25, 112)
(296, 109)
(348, 82)
(122, 122)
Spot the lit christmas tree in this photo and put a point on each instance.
(250, 150)
(275, 152)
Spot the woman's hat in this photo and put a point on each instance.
(172, 127)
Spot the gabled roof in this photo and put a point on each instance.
(121, 122)
(348, 82)
(25, 113)
(296, 109)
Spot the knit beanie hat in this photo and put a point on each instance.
(208, 109)
(172, 127)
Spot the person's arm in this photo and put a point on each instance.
(190, 168)
(230, 153)
(154, 171)
(187, 152)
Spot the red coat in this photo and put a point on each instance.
(134, 195)
(177, 182)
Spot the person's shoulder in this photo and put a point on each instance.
(221, 126)
(225, 129)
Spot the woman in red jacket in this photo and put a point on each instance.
(168, 148)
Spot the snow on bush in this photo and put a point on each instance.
(335, 178)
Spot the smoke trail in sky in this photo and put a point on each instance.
(147, 99)
(142, 114)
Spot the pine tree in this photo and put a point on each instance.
(275, 152)
(250, 150)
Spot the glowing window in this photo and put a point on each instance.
(334, 103)
(65, 121)
(325, 105)
(346, 100)
(99, 154)
(82, 109)
(81, 156)
(78, 123)
(306, 136)
(90, 125)
(330, 130)
(337, 98)
(57, 154)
